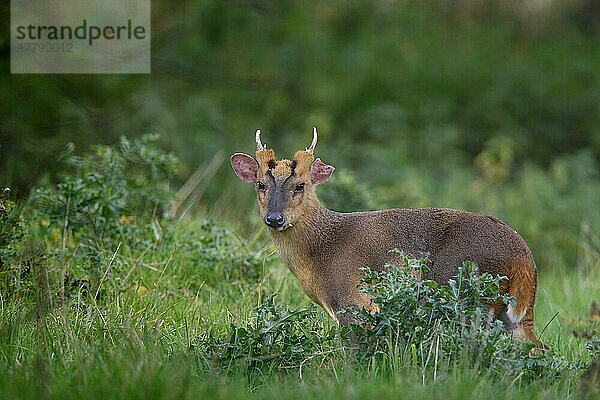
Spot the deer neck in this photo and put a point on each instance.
(299, 244)
(302, 250)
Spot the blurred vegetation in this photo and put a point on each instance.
(491, 105)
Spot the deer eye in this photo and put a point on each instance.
(299, 187)
(261, 186)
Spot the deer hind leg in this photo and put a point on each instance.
(519, 318)
(529, 329)
(512, 322)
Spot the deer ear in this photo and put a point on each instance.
(245, 167)
(320, 172)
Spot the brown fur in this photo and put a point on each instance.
(325, 249)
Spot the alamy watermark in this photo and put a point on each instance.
(75, 36)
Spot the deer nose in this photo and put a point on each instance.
(274, 219)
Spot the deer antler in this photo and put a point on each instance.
(311, 149)
(259, 145)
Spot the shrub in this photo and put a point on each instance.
(12, 229)
(433, 328)
(217, 249)
(108, 188)
(273, 338)
(105, 218)
(420, 326)
(113, 198)
(414, 310)
(12, 233)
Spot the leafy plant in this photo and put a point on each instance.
(216, 248)
(108, 188)
(12, 233)
(273, 338)
(420, 326)
(435, 328)
(114, 197)
(12, 229)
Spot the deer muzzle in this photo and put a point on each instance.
(275, 220)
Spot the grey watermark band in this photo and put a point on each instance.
(73, 36)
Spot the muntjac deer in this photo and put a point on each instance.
(326, 249)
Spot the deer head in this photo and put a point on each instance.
(285, 188)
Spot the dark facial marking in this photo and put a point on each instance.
(279, 193)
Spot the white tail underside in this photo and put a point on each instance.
(514, 317)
